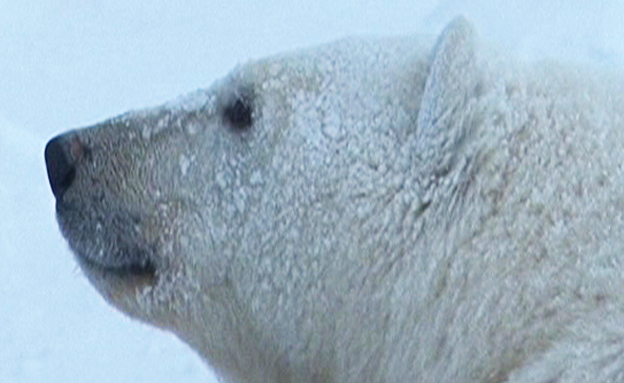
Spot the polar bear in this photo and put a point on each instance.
(379, 210)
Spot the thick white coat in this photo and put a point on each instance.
(398, 211)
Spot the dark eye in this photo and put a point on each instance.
(239, 113)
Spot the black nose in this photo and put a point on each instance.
(61, 169)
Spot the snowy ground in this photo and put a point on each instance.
(70, 63)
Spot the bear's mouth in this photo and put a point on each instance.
(107, 244)
(138, 266)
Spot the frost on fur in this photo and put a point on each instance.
(371, 210)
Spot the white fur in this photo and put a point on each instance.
(400, 211)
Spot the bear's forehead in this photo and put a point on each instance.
(346, 60)
(336, 69)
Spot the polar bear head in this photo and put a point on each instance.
(250, 218)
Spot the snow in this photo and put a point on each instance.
(70, 63)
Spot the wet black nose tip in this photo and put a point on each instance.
(61, 169)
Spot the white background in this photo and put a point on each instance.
(70, 63)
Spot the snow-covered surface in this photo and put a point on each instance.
(70, 63)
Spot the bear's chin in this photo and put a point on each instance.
(121, 286)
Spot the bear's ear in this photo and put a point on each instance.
(449, 86)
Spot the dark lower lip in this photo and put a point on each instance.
(144, 268)
(128, 263)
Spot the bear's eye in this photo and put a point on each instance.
(239, 113)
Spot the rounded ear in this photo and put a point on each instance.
(449, 86)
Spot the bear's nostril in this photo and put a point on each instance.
(61, 170)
